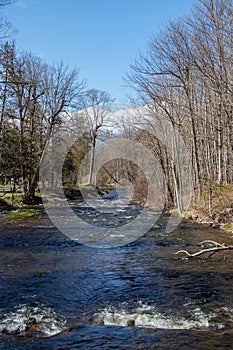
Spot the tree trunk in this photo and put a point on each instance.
(92, 161)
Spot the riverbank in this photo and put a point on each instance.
(217, 210)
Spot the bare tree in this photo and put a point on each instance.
(186, 77)
(6, 28)
(95, 107)
(35, 99)
(60, 88)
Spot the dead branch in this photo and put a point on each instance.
(212, 250)
(212, 242)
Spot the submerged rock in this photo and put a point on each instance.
(111, 195)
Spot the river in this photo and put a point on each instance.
(58, 294)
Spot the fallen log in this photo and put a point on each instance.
(5, 206)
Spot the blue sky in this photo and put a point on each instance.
(99, 37)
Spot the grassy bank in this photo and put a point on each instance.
(11, 205)
(20, 214)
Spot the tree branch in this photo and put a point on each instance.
(212, 250)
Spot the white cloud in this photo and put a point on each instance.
(22, 4)
(39, 54)
(26, 3)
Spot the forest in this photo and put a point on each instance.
(184, 79)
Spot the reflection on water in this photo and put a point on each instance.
(56, 293)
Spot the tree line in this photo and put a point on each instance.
(184, 81)
(37, 99)
(186, 78)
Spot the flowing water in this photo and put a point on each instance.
(58, 294)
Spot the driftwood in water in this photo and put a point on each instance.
(212, 250)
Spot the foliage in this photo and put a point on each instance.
(35, 97)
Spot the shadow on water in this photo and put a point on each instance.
(56, 293)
